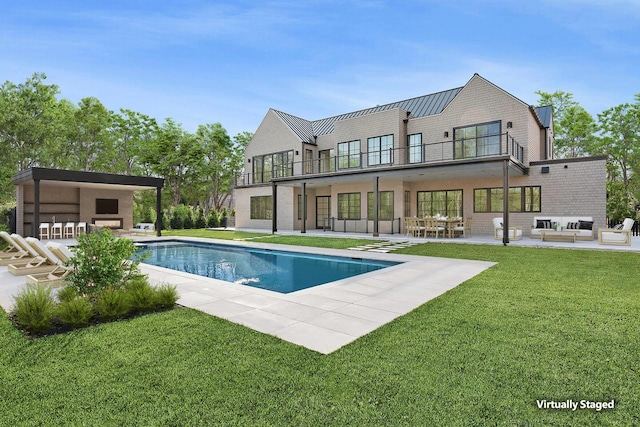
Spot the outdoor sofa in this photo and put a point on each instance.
(582, 224)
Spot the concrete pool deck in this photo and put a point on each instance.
(323, 318)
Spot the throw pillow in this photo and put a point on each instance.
(543, 223)
(585, 225)
(618, 227)
(572, 226)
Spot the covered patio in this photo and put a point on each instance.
(62, 196)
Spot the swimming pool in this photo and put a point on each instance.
(275, 270)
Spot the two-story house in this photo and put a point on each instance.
(471, 151)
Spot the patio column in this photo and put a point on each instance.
(505, 214)
(158, 211)
(304, 208)
(274, 207)
(375, 206)
(35, 228)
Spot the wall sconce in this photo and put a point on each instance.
(297, 153)
(446, 134)
(248, 160)
(509, 125)
(545, 169)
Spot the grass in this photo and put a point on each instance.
(541, 324)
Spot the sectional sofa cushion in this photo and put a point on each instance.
(585, 225)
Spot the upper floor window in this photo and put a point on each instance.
(349, 155)
(379, 150)
(414, 144)
(477, 140)
(308, 161)
(275, 165)
(327, 160)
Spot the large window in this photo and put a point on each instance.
(443, 203)
(385, 205)
(349, 206)
(379, 150)
(261, 207)
(521, 199)
(327, 161)
(273, 165)
(414, 146)
(349, 155)
(477, 140)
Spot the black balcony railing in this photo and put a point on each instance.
(429, 153)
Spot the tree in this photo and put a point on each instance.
(26, 120)
(173, 154)
(91, 145)
(218, 149)
(620, 141)
(131, 131)
(564, 109)
(579, 132)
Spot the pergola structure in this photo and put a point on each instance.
(44, 194)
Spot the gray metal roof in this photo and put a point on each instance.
(421, 106)
(544, 113)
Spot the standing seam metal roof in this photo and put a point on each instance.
(421, 106)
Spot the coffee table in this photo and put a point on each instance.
(559, 236)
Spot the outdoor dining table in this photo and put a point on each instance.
(448, 223)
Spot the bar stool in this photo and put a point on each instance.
(69, 230)
(56, 230)
(44, 230)
(81, 228)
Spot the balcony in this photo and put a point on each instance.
(462, 150)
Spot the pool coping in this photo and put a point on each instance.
(326, 317)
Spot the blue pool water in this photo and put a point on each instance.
(279, 271)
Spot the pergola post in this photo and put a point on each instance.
(35, 229)
(158, 211)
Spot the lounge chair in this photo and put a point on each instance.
(614, 236)
(11, 245)
(515, 233)
(58, 276)
(24, 253)
(43, 262)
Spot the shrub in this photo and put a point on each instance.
(112, 303)
(67, 293)
(102, 260)
(76, 312)
(213, 220)
(35, 309)
(166, 296)
(140, 294)
(176, 222)
(201, 222)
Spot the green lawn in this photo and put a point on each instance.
(541, 324)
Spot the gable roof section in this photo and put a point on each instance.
(544, 113)
(421, 106)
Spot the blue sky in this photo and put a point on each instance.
(212, 61)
